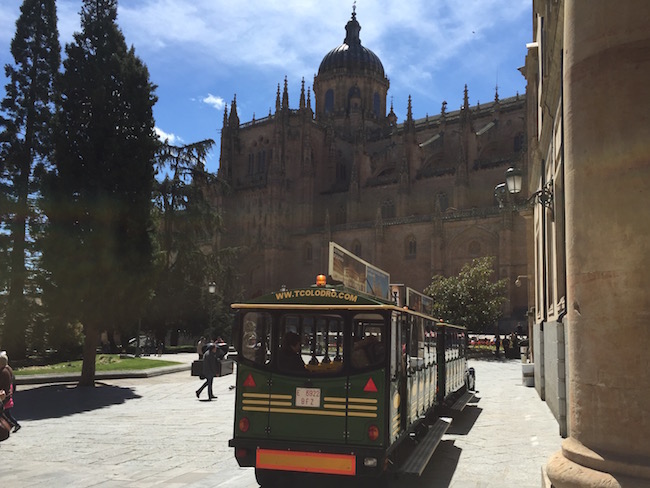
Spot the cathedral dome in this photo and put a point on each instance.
(351, 56)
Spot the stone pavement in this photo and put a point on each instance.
(148, 432)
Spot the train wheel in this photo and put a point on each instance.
(267, 478)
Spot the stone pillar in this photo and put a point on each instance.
(607, 148)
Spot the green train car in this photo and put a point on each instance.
(334, 381)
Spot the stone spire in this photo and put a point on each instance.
(285, 95)
(392, 118)
(233, 121)
(277, 100)
(410, 123)
(225, 115)
(302, 94)
(309, 98)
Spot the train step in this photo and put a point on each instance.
(462, 401)
(421, 455)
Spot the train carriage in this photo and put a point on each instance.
(358, 376)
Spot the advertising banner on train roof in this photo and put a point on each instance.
(418, 301)
(356, 273)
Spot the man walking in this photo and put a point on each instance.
(209, 370)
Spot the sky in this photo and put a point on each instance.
(201, 53)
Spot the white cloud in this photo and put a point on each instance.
(214, 101)
(164, 136)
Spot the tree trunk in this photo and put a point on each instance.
(89, 355)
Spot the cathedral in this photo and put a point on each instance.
(415, 198)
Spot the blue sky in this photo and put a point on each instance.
(200, 53)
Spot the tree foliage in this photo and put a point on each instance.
(25, 143)
(188, 256)
(472, 298)
(98, 246)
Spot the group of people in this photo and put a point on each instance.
(209, 352)
(7, 390)
(510, 346)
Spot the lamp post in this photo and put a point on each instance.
(212, 289)
(513, 184)
(518, 280)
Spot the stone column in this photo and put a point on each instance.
(607, 148)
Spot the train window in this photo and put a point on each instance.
(430, 344)
(417, 346)
(321, 343)
(256, 337)
(369, 340)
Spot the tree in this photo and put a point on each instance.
(188, 258)
(24, 144)
(472, 298)
(98, 245)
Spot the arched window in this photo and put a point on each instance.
(376, 104)
(308, 252)
(341, 171)
(474, 249)
(410, 247)
(387, 209)
(356, 248)
(329, 101)
(443, 201)
(340, 215)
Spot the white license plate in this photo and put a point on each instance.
(307, 397)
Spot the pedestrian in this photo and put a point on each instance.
(209, 370)
(7, 383)
(497, 343)
(199, 347)
(506, 346)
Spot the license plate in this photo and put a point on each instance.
(307, 397)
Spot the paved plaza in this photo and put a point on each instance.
(153, 432)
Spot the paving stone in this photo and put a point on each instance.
(145, 432)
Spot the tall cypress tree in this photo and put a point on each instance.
(25, 143)
(98, 198)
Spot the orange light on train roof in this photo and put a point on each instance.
(321, 280)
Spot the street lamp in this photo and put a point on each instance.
(212, 289)
(518, 280)
(514, 179)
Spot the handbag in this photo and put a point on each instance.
(5, 428)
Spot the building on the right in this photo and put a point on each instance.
(588, 74)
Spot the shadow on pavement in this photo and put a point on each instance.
(441, 467)
(463, 421)
(61, 400)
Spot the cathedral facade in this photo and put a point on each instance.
(415, 198)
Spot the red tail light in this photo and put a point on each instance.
(373, 432)
(244, 424)
(241, 453)
(249, 381)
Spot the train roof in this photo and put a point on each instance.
(328, 297)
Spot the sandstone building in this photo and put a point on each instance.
(414, 197)
(587, 70)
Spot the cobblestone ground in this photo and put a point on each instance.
(154, 432)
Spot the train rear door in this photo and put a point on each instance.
(311, 400)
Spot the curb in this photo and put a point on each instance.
(109, 375)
